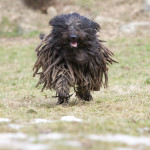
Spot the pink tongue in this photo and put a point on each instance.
(74, 44)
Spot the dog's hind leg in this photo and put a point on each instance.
(62, 90)
(83, 93)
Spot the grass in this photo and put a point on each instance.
(12, 29)
(8, 28)
(122, 108)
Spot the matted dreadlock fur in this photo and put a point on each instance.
(71, 55)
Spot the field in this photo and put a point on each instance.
(122, 108)
(118, 118)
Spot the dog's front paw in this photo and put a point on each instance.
(88, 97)
(62, 100)
(85, 96)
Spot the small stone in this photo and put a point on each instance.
(51, 11)
(4, 120)
(70, 119)
(38, 120)
(147, 5)
(132, 27)
(106, 19)
(70, 9)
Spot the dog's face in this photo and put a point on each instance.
(73, 31)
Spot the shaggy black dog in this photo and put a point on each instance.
(71, 55)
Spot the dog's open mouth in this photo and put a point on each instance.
(74, 44)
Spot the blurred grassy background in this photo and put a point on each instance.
(122, 108)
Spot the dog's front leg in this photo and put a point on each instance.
(62, 89)
(83, 93)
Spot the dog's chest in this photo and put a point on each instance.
(77, 56)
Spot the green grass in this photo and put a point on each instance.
(8, 28)
(85, 3)
(122, 108)
(12, 29)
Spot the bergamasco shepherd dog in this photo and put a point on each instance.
(72, 55)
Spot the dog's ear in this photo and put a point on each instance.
(58, 21)
(51, 22)
(95, 26)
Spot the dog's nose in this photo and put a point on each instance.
(73, 37)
